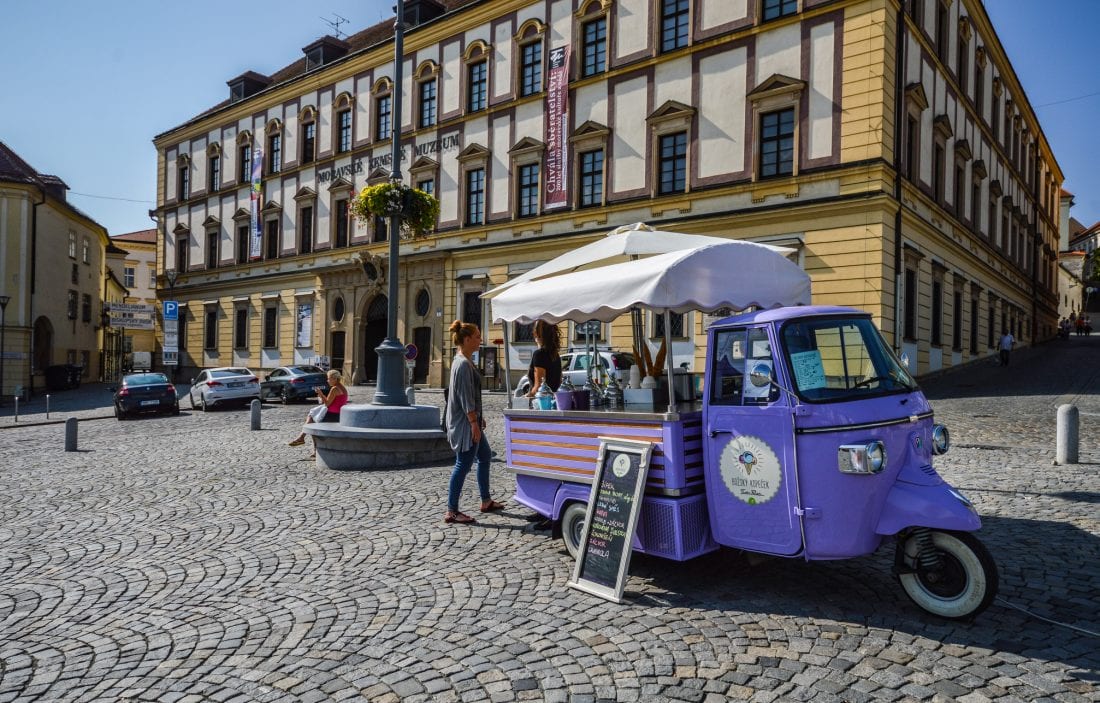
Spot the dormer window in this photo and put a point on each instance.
(246, 85)
(314, 58)
(324, 51)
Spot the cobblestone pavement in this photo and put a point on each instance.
(190, 559)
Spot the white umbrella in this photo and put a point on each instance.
(729, 273)
(623, 244)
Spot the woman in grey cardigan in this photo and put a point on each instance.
(465, 424)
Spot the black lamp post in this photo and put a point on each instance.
(4, 300)
(390, 389)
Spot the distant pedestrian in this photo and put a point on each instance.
(1005, 346)
(1079, 326)
(466, 424)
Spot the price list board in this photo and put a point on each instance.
(613, 506)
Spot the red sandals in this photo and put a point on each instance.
(491, 506)
(460, 518)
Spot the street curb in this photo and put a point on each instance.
(43, 423)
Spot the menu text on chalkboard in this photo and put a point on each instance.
(613, 507)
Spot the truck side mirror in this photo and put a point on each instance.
(760, 375)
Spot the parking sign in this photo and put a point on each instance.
(171, 310)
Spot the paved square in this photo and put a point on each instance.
(190, 559)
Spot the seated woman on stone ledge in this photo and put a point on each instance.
(329, 409)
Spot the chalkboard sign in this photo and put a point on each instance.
(613, 505)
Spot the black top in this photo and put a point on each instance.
(542, 359)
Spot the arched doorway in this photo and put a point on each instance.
(43, 344)
(374, 333)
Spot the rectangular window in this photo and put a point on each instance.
(531, 69)
(86, 308)
(72, 245)
(591, 178)
(309, 142)
(427, 103)
(774, 9)
(245, 175)
(974, 326)
(427, 185)
(183, 328)
(959, 197)
(210, 328)
(242, 244)
(992, 223)
(382, 111)
(86, 251)
(271, 326)
(938, 171)
(343, 129)
(676, 325)
(341, 215)
(979, 90)
(937, 313)
(963, 49)
(777, 143)
(183, 249)
(528, 190)
(674, 24)
(240, 328)
(910, 331)
(942, 33)
(912, 151)
(595, 47)
(475, 196)
(211, 250)
(274, 153)
(271, 248)
(215, 173)
(1004, 242)
(128, 276)
(673, 164)
(381, 229)
(305, 230)
(184, 183)
(153, 278)
(995, 118)
(957, 322)
(74, 274)
(477, 75)
(73, 297)
(975, 206)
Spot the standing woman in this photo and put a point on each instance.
(465, 424)
(336, 398)
(546, 360)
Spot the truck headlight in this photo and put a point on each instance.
(941, 439)
(864, 459)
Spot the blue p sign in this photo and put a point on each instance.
(171, 310)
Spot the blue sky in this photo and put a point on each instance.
(87, 85)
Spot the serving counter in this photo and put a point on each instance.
(564, 445)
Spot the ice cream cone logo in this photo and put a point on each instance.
(747, 460)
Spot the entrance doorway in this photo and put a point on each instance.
(422, 338)
(43, 344)
(336, 351)
(374, 333)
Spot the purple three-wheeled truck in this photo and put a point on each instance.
(811, 439)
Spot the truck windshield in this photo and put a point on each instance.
(836, 359)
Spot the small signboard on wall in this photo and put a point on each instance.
(613, 506)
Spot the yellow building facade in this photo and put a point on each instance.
(891, 146)
(53, 273)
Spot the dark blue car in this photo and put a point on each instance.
(291, 383)
(145, 393)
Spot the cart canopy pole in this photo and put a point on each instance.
(668, 363)
(507, 366)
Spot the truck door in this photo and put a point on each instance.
(748, 431)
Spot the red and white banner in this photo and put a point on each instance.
(557, 130)
(257, 202)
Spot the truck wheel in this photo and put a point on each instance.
(961, 583)
(572, 527)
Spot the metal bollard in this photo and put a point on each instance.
(16, 409)
(1068, 435)
(47, 406)
(70, 434)
(256, 414)
(410, 395)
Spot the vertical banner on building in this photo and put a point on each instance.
(305, 325)
(257, 202)
(557, 129)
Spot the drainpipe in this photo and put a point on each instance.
(899, 109)
(34, 277)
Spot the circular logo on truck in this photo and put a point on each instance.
(751, 470)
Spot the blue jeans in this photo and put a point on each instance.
(463, 462)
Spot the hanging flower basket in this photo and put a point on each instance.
(417, 210)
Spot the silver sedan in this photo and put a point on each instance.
(226, 384)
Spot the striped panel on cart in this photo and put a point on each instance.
(571, 447)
